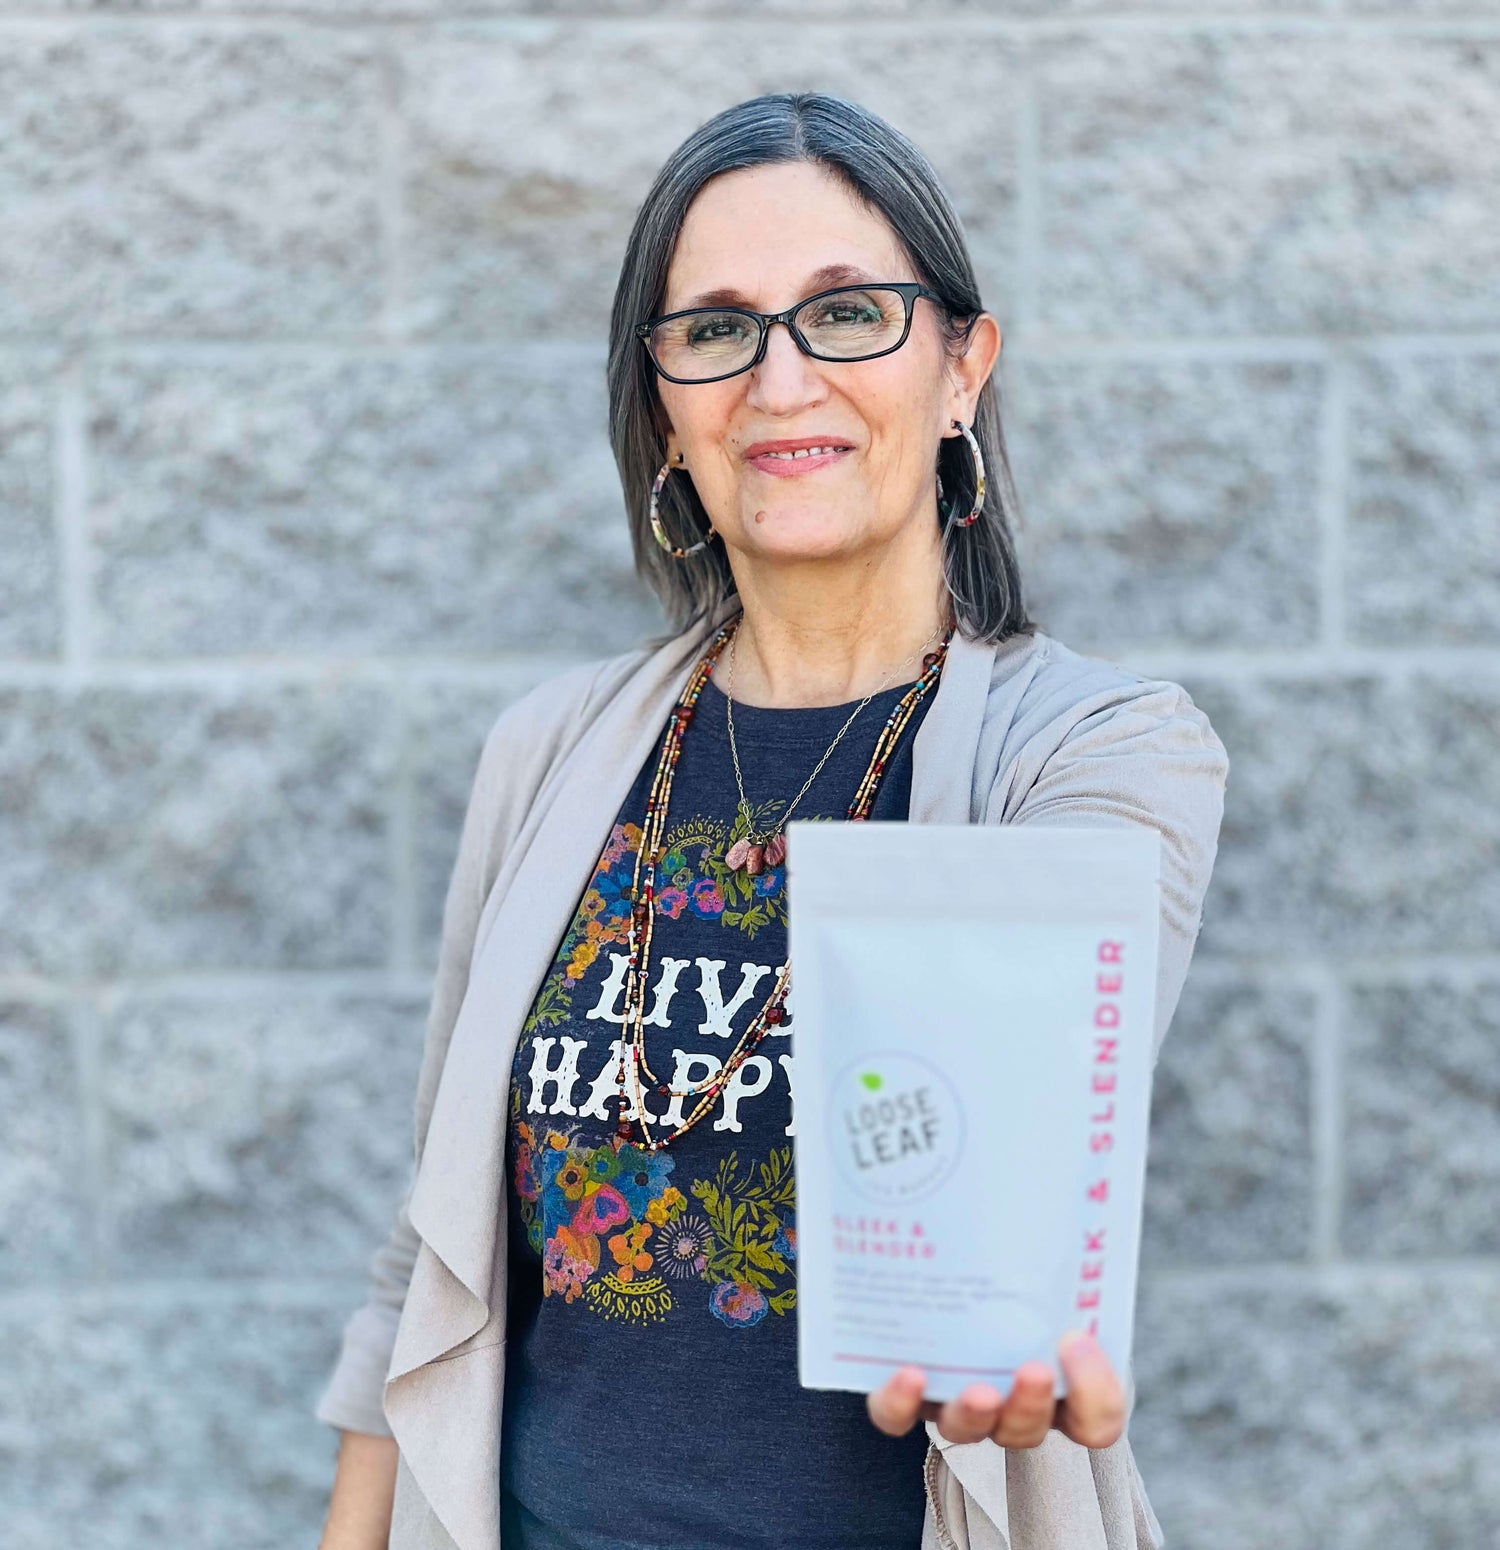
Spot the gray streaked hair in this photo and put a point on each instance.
(886, 172)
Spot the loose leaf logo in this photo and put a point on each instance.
(898, 1126)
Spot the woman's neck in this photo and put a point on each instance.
(817, 635)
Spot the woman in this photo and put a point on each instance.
(581, 1332)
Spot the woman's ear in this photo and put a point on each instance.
(970, 371)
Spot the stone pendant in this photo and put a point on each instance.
(754, 856)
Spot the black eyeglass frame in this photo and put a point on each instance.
(908, 290)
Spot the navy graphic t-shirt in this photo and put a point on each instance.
(651, 1396)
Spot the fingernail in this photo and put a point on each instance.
(1078, 1340)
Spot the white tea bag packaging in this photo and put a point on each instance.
(972, 1016)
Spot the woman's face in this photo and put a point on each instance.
(766, 237)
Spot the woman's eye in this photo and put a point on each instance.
(846, 312)
(715, 329)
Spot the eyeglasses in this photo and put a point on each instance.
(851, 323)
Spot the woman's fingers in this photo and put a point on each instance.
(973, 1414)
(896, 1405)
(1020, 1419)
(1093, 1412)
(1029, 1411)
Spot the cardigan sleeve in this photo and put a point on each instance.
(521, 747)
(352, 1398)
(1142, 753)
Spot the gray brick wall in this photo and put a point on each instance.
(303, 474)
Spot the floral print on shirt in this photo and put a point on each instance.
(615, 1233)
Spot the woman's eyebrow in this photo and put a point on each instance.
(818, 280)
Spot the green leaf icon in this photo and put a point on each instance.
(871, 1079)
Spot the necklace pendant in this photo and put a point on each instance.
(754, 856)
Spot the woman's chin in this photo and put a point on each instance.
(787, 537)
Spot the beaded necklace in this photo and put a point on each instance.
(642, 896)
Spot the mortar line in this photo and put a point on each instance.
(578, 352)
(964, 24)
(1395, 664)
(229, 983)
(156, 1292)
(309, 669)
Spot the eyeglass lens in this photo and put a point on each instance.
(844, 325)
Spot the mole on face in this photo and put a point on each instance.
(760, 516)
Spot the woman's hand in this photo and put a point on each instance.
(1092, 1413)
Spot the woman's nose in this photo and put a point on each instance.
(785, 378)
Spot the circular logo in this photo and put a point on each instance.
(897, 1126)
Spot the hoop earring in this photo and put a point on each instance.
(658, 532)
(971, 517)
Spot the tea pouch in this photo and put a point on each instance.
(971, 1020)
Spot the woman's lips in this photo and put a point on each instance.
(784, 467)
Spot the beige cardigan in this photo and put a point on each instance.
(1027, 731)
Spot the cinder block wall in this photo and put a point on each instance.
(303, 475)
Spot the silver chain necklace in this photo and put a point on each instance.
(757, 849)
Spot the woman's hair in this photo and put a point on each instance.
(886, 172)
